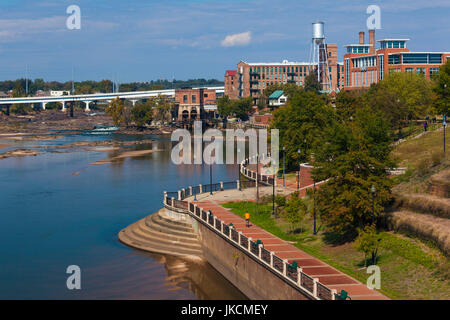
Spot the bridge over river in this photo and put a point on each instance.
(133, 96)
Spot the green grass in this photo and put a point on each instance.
(411, 268)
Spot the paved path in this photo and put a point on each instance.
(312, 266)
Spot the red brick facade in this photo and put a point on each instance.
(191, 102)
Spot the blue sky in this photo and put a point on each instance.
(140, 40)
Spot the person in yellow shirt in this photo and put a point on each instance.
(247, 218)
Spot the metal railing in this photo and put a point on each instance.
(285, 270)
(293, 275)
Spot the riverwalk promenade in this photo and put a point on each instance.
(313, 267)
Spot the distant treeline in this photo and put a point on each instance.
(102, 86)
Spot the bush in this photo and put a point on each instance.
(437, 157)
(368, 241)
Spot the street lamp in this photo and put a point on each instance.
(299, 166)
(373, 190)
(239, 168)
(284, 172)
(273, 193)
(444, 122)
(314, 207)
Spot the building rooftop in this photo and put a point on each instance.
(276, 94)
(283, 63)
(383, 40)
(231, 72)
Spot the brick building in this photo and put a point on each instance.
(194, 104)
(231, 89)
(364, 64)
(250, 79)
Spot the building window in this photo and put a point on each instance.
(434, 72)
(194, 98)
(185, 99)
(381, 67)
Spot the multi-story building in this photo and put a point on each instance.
(231, 89)
(364, 64)
(251, 79)
(195, 103)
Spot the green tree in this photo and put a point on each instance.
(401, 97)
(312, 83)
(142, 113)
(238, 108)
(301, 123)
(353, 157)
(294, 211)
(163, 108)
(441, 88)
(117, 110)
(368, 242)
(347, 102)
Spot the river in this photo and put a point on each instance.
(58, 210)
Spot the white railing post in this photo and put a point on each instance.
(190, 191)
(221, 185)
(299, 277)
(285, 262)
(249, 247)
(230, 233)
(201, 188)
(179, 194)
(195, 209)
(173, 202)
(238, 184)
(165, 197)
(259, 251)
(271, 259)
(333, 294)
(315, 280)
(239, 237)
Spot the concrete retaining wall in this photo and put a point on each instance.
(251, 277)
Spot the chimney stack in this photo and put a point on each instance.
(372, 41)
(361, 37)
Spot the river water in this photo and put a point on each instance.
(58, 210)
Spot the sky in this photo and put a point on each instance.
(142, 40)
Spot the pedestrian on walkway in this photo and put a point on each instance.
(247, 218)
(425, 125)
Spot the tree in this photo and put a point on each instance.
(142, 113)
(368, 242)
(301, 123)
(294, 211)
(116, 109)
(238, 108)
(353, 157)
(312, 84)
(347, 102)
(441, 88)
(401, 97)
(163, 108)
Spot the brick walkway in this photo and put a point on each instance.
(310, 265)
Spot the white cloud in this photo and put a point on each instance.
(238, 39)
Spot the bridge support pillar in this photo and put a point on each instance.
(134, 102)
(63, 106)
(87, 106)
(43, 105)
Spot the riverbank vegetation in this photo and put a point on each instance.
(410, 268)
(354, 146)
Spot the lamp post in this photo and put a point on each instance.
(195, 193)
(239, 169)
(257, 174)
(210, 178)
(372, 190)
(299, 166)
(314, 207)
(444, 122)
(284, 172)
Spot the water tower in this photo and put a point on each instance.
(318, 56)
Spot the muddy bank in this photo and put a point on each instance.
(46, 122)
(19, 153)
(123, 155)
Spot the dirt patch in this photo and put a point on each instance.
(19, 153)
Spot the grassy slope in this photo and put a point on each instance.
(411, 269)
